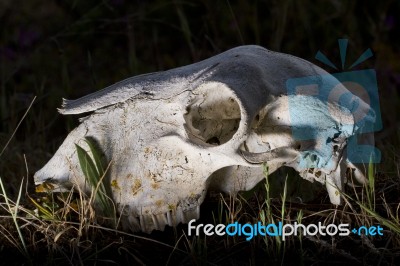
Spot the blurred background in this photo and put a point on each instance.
(67, 49)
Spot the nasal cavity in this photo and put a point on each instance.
(213, 114)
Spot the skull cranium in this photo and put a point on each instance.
(171, 135)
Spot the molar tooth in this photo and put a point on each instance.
(142, 223)
(179, 214)
(160, 221)
(171, 218)
(188, 215)
(147, 223)
(155, 222)
(134, 223)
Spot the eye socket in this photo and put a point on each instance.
(213, 116)
(213, 141)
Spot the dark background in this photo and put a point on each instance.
(55, 49)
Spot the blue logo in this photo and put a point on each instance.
(355, 93)
(280, 229)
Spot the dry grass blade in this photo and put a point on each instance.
(14, 214)
(15, 130)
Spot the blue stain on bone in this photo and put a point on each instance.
(367, 114)
(311, 119)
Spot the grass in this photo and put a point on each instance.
(72, 48)
(95, 173)
(13, 209)
(274, 246)
(70, 218)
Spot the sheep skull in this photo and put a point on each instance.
(171, 135)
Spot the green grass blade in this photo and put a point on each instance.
(46, 214)
(371, 185)
(87, 165)
(395, 227)
(96, 156)
(94, 173)
(14, 214)
(97, 160)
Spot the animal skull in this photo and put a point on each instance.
(172, 135)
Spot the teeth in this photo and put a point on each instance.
(149, 222)
(134, 223)
(171, 219)
(160, 220)
(188, 214)
(179, 215)
(191, 214)
(146, 223)
(155, 222)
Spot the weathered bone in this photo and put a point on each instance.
(283, 154)
(171, 135)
